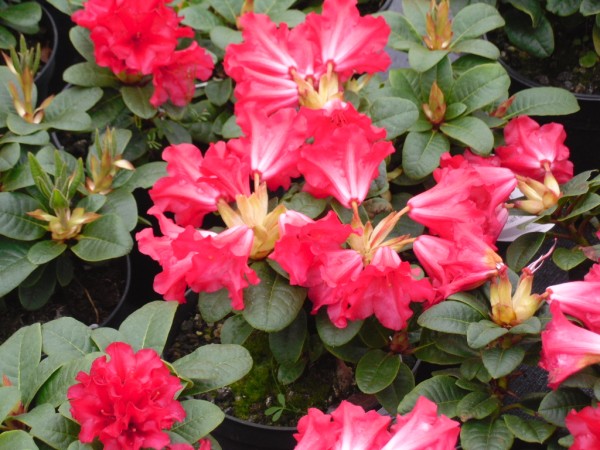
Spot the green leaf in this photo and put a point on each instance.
(486, 434)
(137, 99)
(292, 17)
(214, 306)
(332, 335)
(213, 366)
(45, 251)
(67, 336)
(80, 38)
(219, 91)
(568, 258)
(428, 350)
(440, 389)
(145, 176)
(235, 330)
(104, 238)
(72, 100)
(306, 204)
(500, 362)
(19, 358)
(88, 74)
(474, 369)
(522, 249)
(120, 202)
(223, 36)
(396, 115)
(14, 265)
(589, 202)
(148, 327)
(286, 345)
(449, 317)
(231, 129)
(471, 132)
(272, 304)
(421, 153)
(105, 336)
(228, 9)
(480, 334)
(376, 370)
(479, 47)
(288, 373)
(533, 431)
(58, 431)
(391, 396)
(199, 18)
(474, 21)
(14, 222)
(9, 156)
(403, 35)
(537, 39)
(270, 7)
(557, 404)
(10, 398)
(422, 59)
(533, 325)
(542, 101)
(477, 405)
(16, 439)
(480, 86)
(201, 417)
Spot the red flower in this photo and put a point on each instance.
(343, 166)
(532, 150)
(348, 427)
(175, 79)
(458, 264)
(466, 195)
(272, 142)
(566, 348)
(353, 44)
(584, 425)
(580, 299)
(128, 401)
(423, 429)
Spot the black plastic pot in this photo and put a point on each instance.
(44, 77)
(120, 312)
(583, 127)
(236, 434)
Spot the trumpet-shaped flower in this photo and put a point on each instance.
(453, 265)
(566, 348)
(127, 402)
(532, 150)
(466, 195)
(584, 425)
(342, 166)
(580, 299)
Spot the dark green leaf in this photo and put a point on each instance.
(480, 334)
(477, 405)
(286, 345)
(557, 404)
(500, 362)
(486, 434)
(522, 249)
(332, 335)
(421, 153)
(391, 396)
(528, 430)
(440, 389)
(449, 317)
(376, 370)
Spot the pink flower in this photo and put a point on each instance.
(348, 427)
(458, 264)
(342, 166)
(134, 35)
(566, 348)
(580, 299)
(175, 79)
(584, 425)
(203, 260)
(353, 44)
(273, 143)
(532, 150)
(423, 429)
(128, 401)
(466, 195)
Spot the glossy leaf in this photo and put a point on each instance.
(557, 404)
(286, 345)
(480, 334)
(376, 370)
(440, 389)
(522, 249)
(533, 431)
(391, 396)
(477, 405)
(449, 317)
(500, 362)
(332, 335)
(489, 434)
(201, 417)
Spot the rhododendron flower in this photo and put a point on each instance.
(423, 429)
(175, 79)
(584, 425)
(532, 150)
(350, 427)
(342, 166)
(127, 401)
(204, 444)
(458, 264)
(580, 299)
(566, 348)
(466, 196)
(273, 143)
(134, 35)
(203, 260)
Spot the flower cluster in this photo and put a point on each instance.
(126, 402)
(137, 39)
(349, 426)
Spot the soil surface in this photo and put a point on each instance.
(90, 298)
(324, 384)
(562, 69)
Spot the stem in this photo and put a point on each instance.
(89, 297)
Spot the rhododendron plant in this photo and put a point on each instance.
(583, 425)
